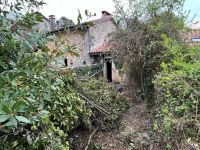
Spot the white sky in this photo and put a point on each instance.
(69, 8)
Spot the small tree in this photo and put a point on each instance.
(65, 22)
(136, 44)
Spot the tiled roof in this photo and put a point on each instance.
(100, 49)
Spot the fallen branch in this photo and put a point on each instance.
(90, 137)
(96, 106)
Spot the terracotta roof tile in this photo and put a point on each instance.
(100, 49)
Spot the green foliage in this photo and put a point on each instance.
(136, 46)
(168, 69)
(38, 103)
(106, 105)
(177, 93)
(87, 70)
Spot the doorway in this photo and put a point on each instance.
(109, 70)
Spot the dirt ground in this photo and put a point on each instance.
(135, 132)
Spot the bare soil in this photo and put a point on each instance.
(135, 133)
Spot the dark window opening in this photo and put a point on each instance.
(66, 62)
(109, 71)
(84, 62)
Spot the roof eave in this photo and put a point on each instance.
(99, 53)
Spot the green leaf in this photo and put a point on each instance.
(22, 119)
(31, 100)
(29, 139)
(38, 17)
(5, 109)
(3, 65)
(5, 130)
(4, 118)
(14, 83)
(19, 106)
(12, 122)
(41, 106)
(47, 97)
(15, 143)
(43, 112)
(2, 112)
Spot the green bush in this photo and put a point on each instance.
(106, 105)
(87, 70)
(177, 93)
(40, 121)
(38, 103)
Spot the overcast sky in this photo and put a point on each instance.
(69, 8)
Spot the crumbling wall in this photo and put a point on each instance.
(99, 32)
(80, 39)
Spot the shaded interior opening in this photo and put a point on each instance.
(66, 62)
(109, 71)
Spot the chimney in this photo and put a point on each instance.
(52, 20)
(105, 14)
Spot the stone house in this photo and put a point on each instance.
(91, 44)
(193, 37)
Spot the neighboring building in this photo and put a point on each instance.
(195, 25)
(193, 37)
(92, 42)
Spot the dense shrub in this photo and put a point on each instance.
(106, 105)
(177, 96)
(135, 45)
(88, 70)
(38, 103)
(39, 112)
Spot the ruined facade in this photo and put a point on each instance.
(92, 46)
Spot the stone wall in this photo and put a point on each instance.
(80, 39)
(117, 76)
(84, 40)
(100, 31)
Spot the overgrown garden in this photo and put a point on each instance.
(39, 103)
(151, 49)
